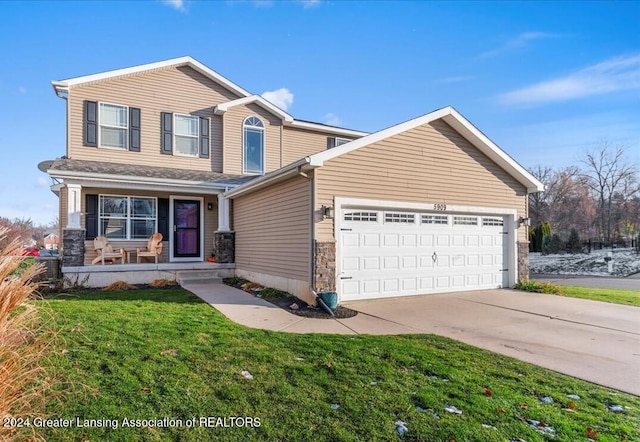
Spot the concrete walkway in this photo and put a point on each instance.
(629, 283)
(591, 340)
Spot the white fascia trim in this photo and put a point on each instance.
(458, 122)
(128, 181)
(223, 107)
(64, 85)
(331, 130)
(270, 178)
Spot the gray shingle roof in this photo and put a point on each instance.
(99, 167)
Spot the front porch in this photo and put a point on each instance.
(103, 275)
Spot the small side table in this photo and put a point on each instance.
(128, 253)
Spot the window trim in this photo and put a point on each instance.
(128, 216)
(101, 124)
(340, 141)
(245, 126)
(175, 134)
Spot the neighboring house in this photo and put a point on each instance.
(51, 241)
(429, 205)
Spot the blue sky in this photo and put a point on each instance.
(544, 80)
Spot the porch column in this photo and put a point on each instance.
(224, 239)
(74, 191)
(223, 213)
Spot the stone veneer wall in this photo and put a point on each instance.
(325, 266)
(523, 260)
(73, 247)
(224, 247)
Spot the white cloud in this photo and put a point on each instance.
(613, 75)
(283, 98)
(178, 5)
(307, 4)
(332, 119)
(519, 42)
(22, 90)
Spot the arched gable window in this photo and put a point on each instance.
(253, 152)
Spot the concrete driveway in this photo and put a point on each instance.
(591, 340)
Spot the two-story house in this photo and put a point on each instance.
(429, 205)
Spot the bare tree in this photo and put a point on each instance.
(610, 176)
(565, 203)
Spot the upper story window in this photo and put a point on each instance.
(114, 125)
(186, 135)
(253, 150)
(111, 125)
(335, 141)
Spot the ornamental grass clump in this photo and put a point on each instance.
(23, 343)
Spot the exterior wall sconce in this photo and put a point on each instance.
(327, 212)
(524, 221)
(209, 206)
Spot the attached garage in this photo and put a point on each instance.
(430, 205)
(387, 252)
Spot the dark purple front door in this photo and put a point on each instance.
(186, 228)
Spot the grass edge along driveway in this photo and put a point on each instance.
(146, 355)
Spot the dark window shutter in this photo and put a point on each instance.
(91, 123)
(166, 127)
(331, 142)
(163, 218)
(91, 216)
(204, 137)
(134, 129)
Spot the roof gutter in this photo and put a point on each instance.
(271, 178)
(138, 180)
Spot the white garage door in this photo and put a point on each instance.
(392, 253)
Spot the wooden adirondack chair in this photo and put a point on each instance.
(106, 252)
(154, 248)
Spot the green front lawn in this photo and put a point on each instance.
(154, 354)
(616, 296)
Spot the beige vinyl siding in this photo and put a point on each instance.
(177, 90)
(431, 163)
(234, 137)
(299, 143)
(210, 221)
(272, 230)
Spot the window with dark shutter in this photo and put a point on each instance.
(90, 123)
(204, 137)
(331, 142)
(166, 124)
(134, 129)
(163, 217)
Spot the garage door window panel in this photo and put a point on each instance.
(465, 220)
(397, 217)
(361, 216)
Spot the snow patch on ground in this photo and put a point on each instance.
(625, 262)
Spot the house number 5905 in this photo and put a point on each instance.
(440, 206)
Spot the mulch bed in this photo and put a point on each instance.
(286, 300)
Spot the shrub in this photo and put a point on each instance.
(119, 286)
(529, 285)
(23, 342)
(539, 235)
(163, 282)
(552, 244)
(573, 243)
